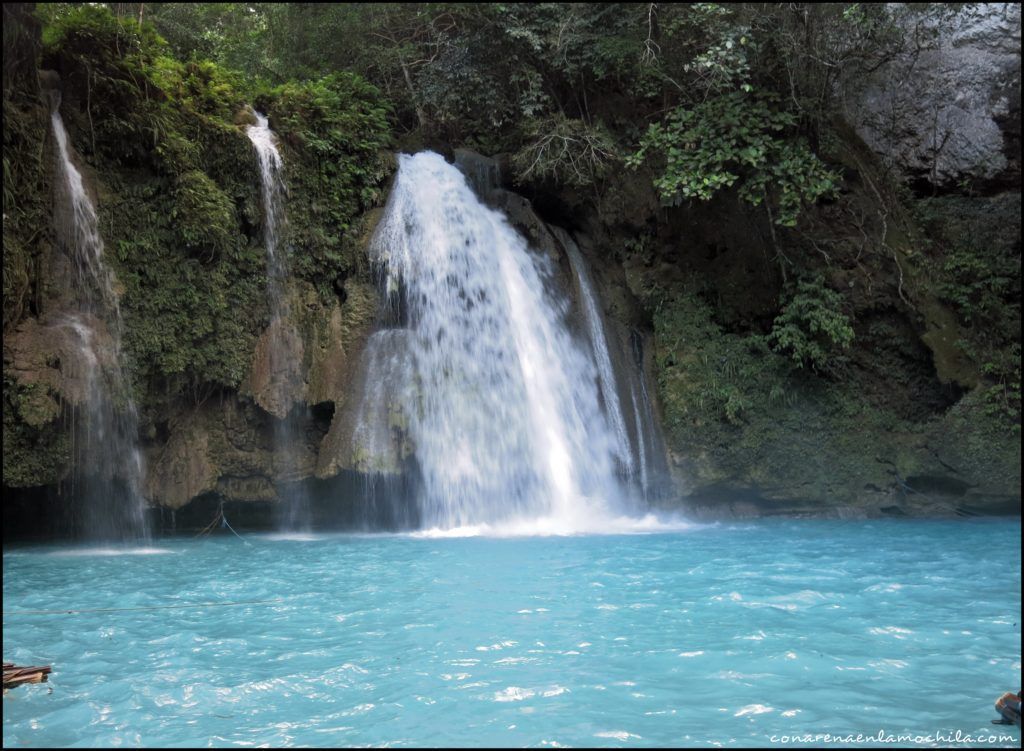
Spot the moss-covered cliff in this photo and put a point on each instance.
(174, 178)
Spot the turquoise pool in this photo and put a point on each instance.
(729, 634)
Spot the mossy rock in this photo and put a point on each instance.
(203, 214)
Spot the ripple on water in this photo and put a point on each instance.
(394, 640)
(88, 552)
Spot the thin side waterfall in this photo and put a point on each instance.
(641, 444)
(599, 343)
(273, 191)
(107, 460)
(282, 339)
(621, 377)
(380, 444)
(654, 472)
(503, 410)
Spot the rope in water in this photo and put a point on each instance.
(145, 607)
(223, 523)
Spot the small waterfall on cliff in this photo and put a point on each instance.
(599, 343)
(380, 445)
(652, 460)
(620, 372)
(273, 190)
(502, 407)
(282, 340)
(107, 461)
(375, 436)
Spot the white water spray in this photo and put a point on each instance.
(599, 342)
(385, 392)
(504, 411)
(273, 189)
(283, 342)
(108, 462)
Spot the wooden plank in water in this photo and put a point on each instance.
(15, 676)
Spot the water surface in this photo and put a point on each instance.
(722, 634)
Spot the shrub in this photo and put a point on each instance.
(736, 139)
(812, 328)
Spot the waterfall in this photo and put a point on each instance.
(282, 341)
(108, 464)
(273, 190)
(620, 369)
(599, 343)
(653, 463)
(384, 392)
(502, 407)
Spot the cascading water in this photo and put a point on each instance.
(108, 463)
(503, 408)
(599, 343)
(282, 340)
(384, 393)
(380, 444)
(654, 473)
(640, 448)
(273, 190)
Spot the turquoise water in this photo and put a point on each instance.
(723, 634)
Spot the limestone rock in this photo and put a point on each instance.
(245, 116)
(951, 112)
(184, 468)
(275, 378)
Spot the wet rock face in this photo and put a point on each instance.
(275, 377)
(224, 446)
(952, 112)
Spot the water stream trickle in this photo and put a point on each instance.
(108, 464)
(599, 343)
(273, 192)
(282, 340)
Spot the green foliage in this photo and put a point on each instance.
(977, 244)
(707, 374)
(1002, 396)
(26, 205)
(188, 320)
(559, 84)
(735, 137)
(333, 133)
(200, 87)
(202, 214)
(979, 282)
(230, 34)
(91, 29)
(103, 59)
(36, 449)
(812, 328)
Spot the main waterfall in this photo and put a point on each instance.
(108, 466)
(503, 404)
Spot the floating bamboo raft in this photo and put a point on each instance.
(14, 676)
